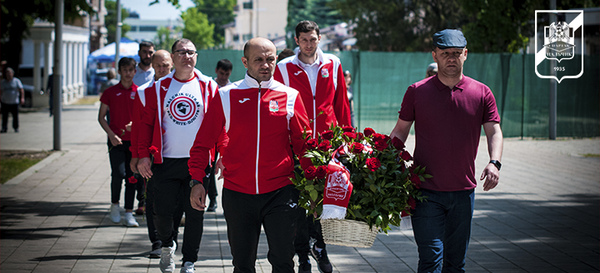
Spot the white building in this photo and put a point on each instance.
(256, 18)
(146, 30)
(38, 54)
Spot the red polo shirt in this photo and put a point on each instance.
(120, 104)
(447, 128)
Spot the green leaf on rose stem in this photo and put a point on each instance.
(427, 175)
(313, 194)
(373, 188)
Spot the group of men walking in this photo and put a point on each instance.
(180, 127)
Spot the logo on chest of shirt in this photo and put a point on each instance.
(325, 73)
(273, 106)
(183, 108)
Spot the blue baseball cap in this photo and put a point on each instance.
(449, 38)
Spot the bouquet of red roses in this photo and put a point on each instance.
(359, 176)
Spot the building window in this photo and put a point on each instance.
(148, 28)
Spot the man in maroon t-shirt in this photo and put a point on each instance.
(449, 110)
(119, 100)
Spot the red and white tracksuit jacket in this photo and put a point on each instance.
(328, 100)
(150, 128)
(260, 119)
(136, 117)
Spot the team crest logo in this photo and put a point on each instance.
(273, 106)
(325, 73)
(337, 186)
(132, 95)
(561, 54)
(183, 108)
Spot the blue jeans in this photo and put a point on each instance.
(442, 228)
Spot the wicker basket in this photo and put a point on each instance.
(348, 233)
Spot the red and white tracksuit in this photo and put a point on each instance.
(327, 100)
(260, 119)
(153, 128)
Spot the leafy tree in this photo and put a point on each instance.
(384, 25)
(219, 14)
(111, 21)
(166, 37)
(320, 11)
(197, 28)
(499, 25)
(434, 16)
(18, 17)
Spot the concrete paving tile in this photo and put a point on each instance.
(533, 221)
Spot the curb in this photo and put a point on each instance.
(22, 176)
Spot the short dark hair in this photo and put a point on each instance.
(225, 64)
(286, 52)
(146, 44)
(306, 26)
(182, 40)
(126, 61)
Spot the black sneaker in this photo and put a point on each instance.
(212, 206)
(304, 262)
(322, 259)
(156, 250)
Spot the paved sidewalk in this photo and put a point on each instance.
(543, 217)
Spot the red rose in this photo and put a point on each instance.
(359, 136)
(311, 143)
(373, 164)
(380, 145)
(412, 202)
(327, 135)
(324, 145)
(357, 147)
(414, 178)
(380, 137)
(347, 129)
(153, 150)
(369, 131)
(398, 143)
(350, 135)
(310, 173)
(321, 172)
(404, 214)
(405, 155)
(132, 180)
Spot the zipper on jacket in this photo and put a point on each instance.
(314, 101)
(257, 138)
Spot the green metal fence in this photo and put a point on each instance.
(381, 79)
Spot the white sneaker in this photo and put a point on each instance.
(188, 267)
(167, 260)
(115, 213)
(130, 220)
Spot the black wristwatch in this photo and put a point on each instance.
(496, 163)
(194, 182)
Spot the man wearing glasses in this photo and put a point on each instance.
(175, 108)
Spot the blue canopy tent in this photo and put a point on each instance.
(127, 48)
(101, 59)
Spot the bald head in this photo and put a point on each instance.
(259, 58)
(260, 42)
(162, 63)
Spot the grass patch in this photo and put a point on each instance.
(591, 155)
(12, 163)
(87, 100)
